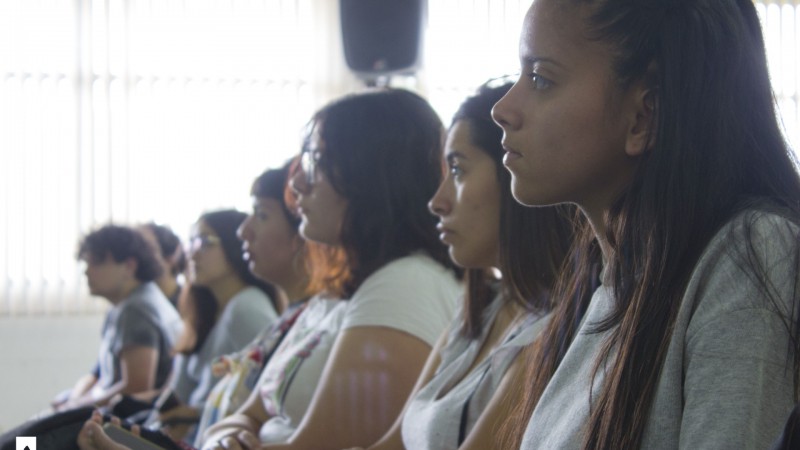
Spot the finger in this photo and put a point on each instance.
(116, 421)
(136, 429)
(230, 443)
(97, 417)
(248, 439)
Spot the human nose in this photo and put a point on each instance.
(245, 230)
(505, 113)
(298, 182)
(441, 202)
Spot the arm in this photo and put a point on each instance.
(138, 373)
(393, 439)
(371, 371)
(737, 387)
(737, 376)
(486, 431)
(247, 419)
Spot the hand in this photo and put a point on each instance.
(179, 412)
(178, 430)
(241, 440)
(93, 437)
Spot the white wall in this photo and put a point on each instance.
(39, 356)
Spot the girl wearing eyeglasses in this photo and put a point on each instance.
(370, 163)
(223, 309)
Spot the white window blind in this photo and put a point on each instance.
(138, 110)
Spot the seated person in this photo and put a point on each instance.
(141, 328)
(466, 390)
(359, 346)
(223, 309)
(278, 254)
(344, 370)
(170, 256)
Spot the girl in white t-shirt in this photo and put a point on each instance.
(341, 376)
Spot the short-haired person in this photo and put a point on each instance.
(656, 117)
(465, 392)
(275, 253)
(341, 376)
(141, 328)
(170, 256)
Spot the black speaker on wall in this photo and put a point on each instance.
(382, 37)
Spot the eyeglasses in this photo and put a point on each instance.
(203, 242)
(309, 163)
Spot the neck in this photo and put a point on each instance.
(167, 284)
(294, 284)
(296, 291)
(225, 288)
(125, 291)
(597, 220)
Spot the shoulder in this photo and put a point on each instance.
(147, 301)
(416, 272)
(248, 312)
(752, 241)
(751, 264)
(413, 294)
(249, 300)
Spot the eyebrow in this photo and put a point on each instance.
(531, 60)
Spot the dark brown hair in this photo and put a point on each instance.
(533, 241)
(197, 304)
(121, 243)
(717, 151)
(382, 154)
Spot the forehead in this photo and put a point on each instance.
(556, 31)
(96, 259)
(266, 203)
(459, 139)
(201, 227)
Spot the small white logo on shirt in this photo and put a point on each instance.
(26, 442)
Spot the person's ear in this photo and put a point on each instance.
(131, 264)
(642, 131)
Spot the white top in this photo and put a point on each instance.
(726, 381)
(445, 410)
(413, 294)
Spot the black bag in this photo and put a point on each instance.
(60, 432)
(56, 432)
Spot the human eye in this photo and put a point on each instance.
(259, 214)
(454, 166)
(540, 83)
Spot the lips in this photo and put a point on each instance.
(246, 253)
(511, 154)
(444, 232)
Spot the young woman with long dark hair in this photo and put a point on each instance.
(512, 256)
(224, 307)
(370, 163)
(656, 118)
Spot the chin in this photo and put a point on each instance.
(525, 194)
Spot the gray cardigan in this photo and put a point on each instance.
(726, 381)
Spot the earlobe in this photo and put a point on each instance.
(642, 133)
